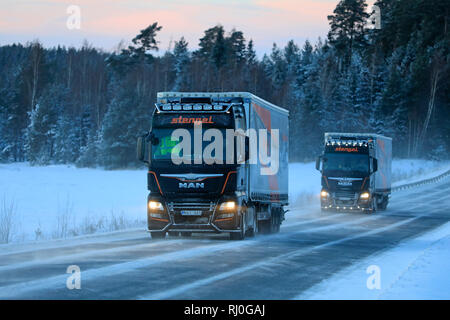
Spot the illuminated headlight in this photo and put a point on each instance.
(229, 205)
(324, 194)
(155, 206)
(364, 196)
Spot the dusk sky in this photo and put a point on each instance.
(104, 23)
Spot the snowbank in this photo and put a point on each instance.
(409, 171)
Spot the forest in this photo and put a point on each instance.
(85, 106)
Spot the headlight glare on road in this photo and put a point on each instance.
(155, 206)
(364, 196)
(228, 205)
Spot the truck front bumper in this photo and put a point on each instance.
(348, 204)
(210, 221)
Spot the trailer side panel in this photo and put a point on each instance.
(270, 187)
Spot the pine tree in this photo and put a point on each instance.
(348, 28)
(181, 65)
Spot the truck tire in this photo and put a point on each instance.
(271, 225)
(373, 206)
(158, 235)
(253, 229)
(276, 221)
(264, 226)
(383, 205)
(242, 230)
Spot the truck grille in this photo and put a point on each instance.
(348, 194)
(203, 206)
(206, 209)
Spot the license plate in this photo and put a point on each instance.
(191, 212)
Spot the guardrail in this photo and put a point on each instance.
(421, 182)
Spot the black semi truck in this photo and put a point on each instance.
(356, 172)
(239, 190)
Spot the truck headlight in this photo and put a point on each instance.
(228, 205)
(324, 194)
(155, 206)
(364, 196)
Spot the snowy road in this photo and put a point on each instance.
(311, 247)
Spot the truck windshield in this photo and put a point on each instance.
(164, 145)
(347, 165)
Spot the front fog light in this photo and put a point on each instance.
(225, 216)
(157, 215)
(229, 205)
(155, 206)
(364, 196)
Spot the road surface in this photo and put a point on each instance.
(311, 247)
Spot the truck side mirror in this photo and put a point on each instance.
(141, 146)
(318, 160)
(374, 165)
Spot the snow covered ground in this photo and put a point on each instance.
(62, 201)
(416, 269)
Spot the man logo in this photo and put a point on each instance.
(191, 185)
(344, 182)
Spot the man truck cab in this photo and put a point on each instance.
(212, 191)
(356, 172)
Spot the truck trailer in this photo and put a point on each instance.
(238, 188)
(356, 172)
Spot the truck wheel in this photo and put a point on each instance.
(276, 222)
(373, 206)
(264, 226)
(384, 203)
(271, 225)
(251, 232)
(158, 235)
(241, 234)
(186, 234)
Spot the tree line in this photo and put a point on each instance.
(86, 106)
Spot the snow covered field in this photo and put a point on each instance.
(62, 201)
